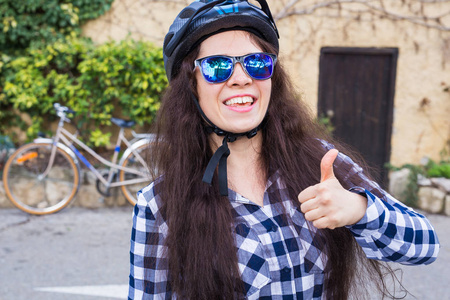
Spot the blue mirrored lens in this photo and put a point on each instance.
(259, 65)
(217, 69)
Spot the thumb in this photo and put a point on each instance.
(326, 165)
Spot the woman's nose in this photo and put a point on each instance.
(239, 76)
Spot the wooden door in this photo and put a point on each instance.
(356, 90)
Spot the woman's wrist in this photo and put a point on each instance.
(359, 200)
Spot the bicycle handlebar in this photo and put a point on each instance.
(63, 109)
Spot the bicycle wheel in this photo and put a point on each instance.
(27, 186)
(136, 181)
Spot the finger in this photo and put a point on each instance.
(314, 214)
(307, 194)
(326, 165)
(309, 205)
(322, 223)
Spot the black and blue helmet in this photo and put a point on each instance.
(204, 18)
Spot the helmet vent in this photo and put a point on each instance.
(167, 39)
(186, 13)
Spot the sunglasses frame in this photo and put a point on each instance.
(235, 59)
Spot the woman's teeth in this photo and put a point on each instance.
(240, 101)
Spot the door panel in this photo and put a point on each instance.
(356, 89)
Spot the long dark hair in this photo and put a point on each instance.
(201, 252)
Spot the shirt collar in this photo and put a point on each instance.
(274, 181)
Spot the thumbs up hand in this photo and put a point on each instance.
(329, 205)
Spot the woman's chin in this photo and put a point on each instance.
(241, 127)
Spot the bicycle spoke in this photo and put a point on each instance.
(131, 182)
(34, 189)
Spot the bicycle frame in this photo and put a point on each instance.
(68, 138)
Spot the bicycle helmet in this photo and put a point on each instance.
(204, 18)
(195, 23)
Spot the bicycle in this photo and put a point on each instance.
(43, 177)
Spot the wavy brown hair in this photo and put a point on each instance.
(202, 257)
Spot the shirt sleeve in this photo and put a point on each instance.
(389, 230)
(148, 266)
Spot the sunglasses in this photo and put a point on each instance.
(219, 68)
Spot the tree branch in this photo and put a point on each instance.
(376, 8)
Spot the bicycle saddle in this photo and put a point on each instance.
(123, 123)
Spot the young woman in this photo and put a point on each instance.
(253, 200)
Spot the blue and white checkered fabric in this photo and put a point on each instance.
(278, 259)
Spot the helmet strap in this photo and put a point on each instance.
(219, 158)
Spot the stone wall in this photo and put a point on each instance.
(87, 195)
(433, 195)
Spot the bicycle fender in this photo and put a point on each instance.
(133, 147)
(62, 147)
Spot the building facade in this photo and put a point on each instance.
(379, 70)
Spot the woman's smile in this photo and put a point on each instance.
(240, 101)
(243, 103)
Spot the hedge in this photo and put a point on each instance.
(44, 60)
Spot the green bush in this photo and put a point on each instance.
(92, 80)
(44, 59)
(438, 170)
(28, 23)
(6, 148)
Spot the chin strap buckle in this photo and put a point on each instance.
(231, 138)
(252, 132)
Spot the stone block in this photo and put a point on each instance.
(4, 201)
(442, 183)
(431, 199)
(88, 177)
(423, 181)
(447, 205)
(398, 182)
(88, 197)
(119, 198)
(115, 194)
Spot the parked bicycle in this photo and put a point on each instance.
(43, 177)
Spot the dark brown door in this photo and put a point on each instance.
(356, 90)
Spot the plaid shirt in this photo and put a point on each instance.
(279, 260)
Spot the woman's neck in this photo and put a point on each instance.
(245, 171)
(243, 151)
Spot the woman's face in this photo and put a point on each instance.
(221, 102)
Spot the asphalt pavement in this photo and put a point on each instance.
(83, 254)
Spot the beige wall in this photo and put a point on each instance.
(423, 67)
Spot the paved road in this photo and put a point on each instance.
(81, 254)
